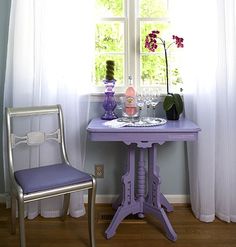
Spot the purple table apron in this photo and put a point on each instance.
(144, 138)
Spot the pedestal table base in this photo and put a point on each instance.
(129, 203)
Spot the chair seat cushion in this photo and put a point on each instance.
(49, 177)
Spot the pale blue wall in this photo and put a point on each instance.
(171, 156)
(4, 21)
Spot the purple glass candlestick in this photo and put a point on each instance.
(109, 103)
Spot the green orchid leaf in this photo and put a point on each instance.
(168, 102)
(178, 103)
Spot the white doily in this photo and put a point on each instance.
(143, 122)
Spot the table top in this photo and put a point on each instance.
(182, 125)
(180, 130)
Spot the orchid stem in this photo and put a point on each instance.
(167, 69)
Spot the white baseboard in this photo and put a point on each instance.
(111, 198)
(178, 198)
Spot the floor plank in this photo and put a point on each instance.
(132, 232)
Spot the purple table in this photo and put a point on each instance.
(145, 138)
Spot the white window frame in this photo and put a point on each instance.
(132, 53)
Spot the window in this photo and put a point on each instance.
(121, 28)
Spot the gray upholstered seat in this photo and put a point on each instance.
(31, 184)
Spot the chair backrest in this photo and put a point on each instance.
(34, 138)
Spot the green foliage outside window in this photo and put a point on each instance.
(153, 8)
(109, 37)
(109, 8)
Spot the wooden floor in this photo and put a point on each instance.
(131, 232)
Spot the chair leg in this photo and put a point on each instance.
(91, 206)
(66, 204)
(13, 214)
(21, 223)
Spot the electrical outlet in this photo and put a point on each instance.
(99, 171)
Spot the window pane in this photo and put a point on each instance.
(110, 37)
(147, 27)
(152, 70)
(174, 64)
(100, 69)
(108, 8)
(153, 8)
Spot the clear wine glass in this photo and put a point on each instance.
(147, 100)
(154, 103)
(140, 104)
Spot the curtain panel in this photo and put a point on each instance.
(209, 29)
(49, 61)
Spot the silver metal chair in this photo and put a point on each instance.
(33, 184)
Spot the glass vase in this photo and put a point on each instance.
(109, 103)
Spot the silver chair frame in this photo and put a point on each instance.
(17, 192)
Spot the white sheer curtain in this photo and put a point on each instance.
(209, 29)
(50, 53)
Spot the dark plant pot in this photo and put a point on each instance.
(172, 114)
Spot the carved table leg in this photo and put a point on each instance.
(166, 204)
(153, 201)
(141, 180)
(128, 205)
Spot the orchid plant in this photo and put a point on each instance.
(152, 41)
